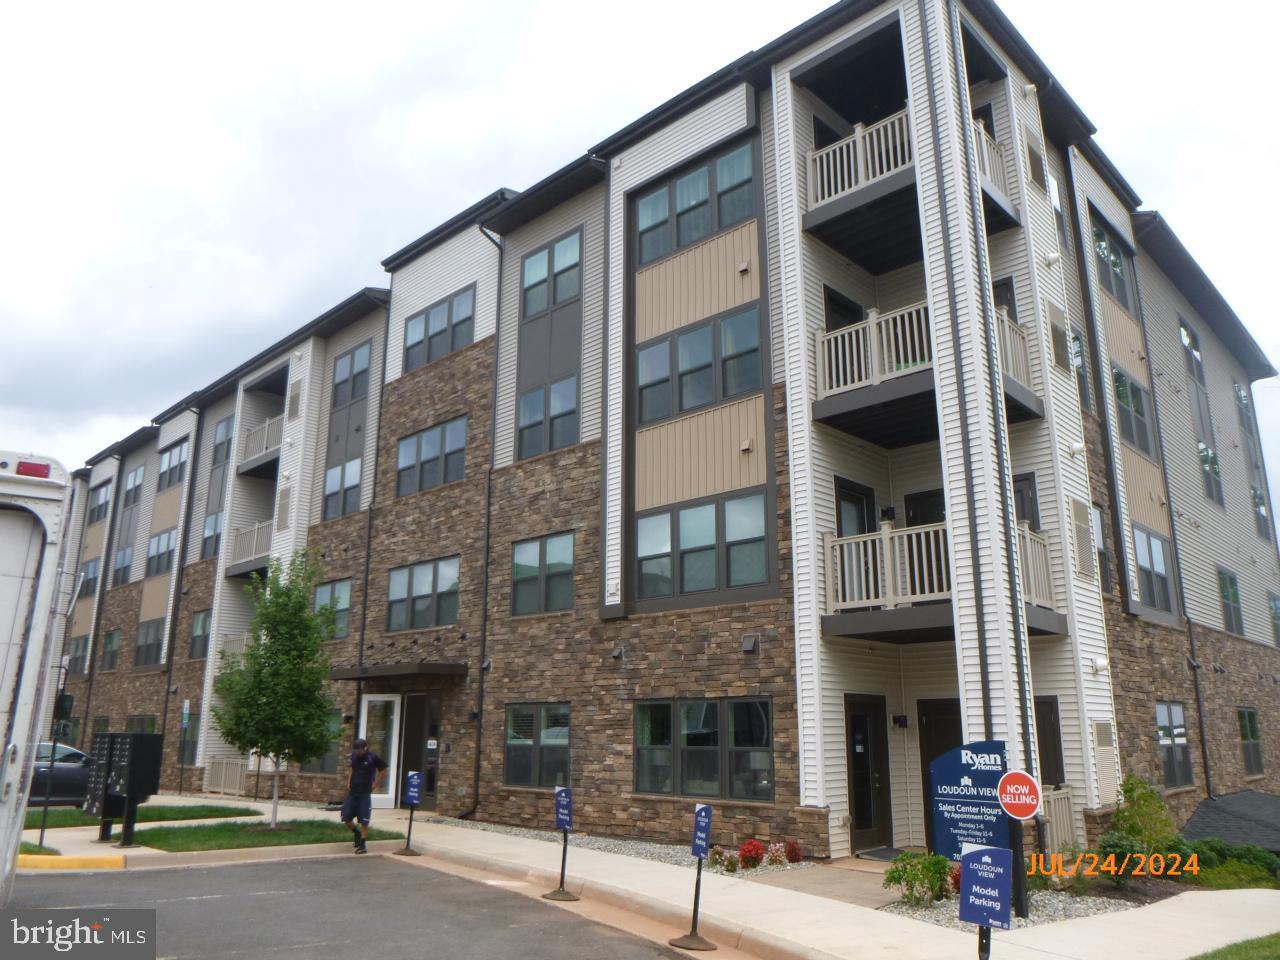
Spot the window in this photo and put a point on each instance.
(133, 486)
(1152, 554)
(440, 329)
(1059, 214)
(1191, 352)
(1080, 364)
(552, 275)
(351, 375)
(328, 762)
(1250, 740)
(707, 546)
(705, 748)
(713, 362)
(71, 732)
(1104, 563)
(89, 578)
(342, 489)
(150, 637)
(434, 456)
(140, 724)
(190, 736)
(124, 563)
(200, 621)
(101, 725)
(1229, 593)
(111, 650)
(423, 595)
(1273, 601)
(542, 574)
(1261, 519)
(537, 749)
(1132, 401)
(1115, 266)
(710, 197)
(77, 656)
(1211, 471)
(1058, 334)
(547, 418)
(222, 434)
(173, 465)
(1035, 166)
(338, 596)
(212, 538)
(1175, 754)
(160, 552)
(99, 502)
(1244, 407)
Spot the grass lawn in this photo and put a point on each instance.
(75, 817)
(1264, 948)
(25, 847)
(228, 836)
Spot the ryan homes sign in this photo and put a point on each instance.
(965, 798)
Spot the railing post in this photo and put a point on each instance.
(820, 352)
(859, 157)
(828, 551)
(1024, 562)
(888, 565)
(875, 344)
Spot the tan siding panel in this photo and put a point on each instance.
(164, 516)
(81, 617)
(1147, 504)
(155, 599)
(93, 540)
(701, 455)
(699, 283)
(1124, 340)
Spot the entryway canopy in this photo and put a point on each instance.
(421, 668)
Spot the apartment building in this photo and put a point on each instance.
(843, 408)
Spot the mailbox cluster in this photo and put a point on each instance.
(126, 772)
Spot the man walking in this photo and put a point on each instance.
(368, 770)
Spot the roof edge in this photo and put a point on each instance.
(438, 234)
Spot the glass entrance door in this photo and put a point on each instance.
(380, 726)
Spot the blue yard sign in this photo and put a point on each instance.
(965, 798)
(702, 830)
(986, 886)
(413, 788)
(564, 808)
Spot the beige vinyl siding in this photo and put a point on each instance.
(1145, 483)
(713, 276)
(81, 617)
(171, 508)
(769, 220)
(702, 454)
(155, 594)
(150, 457)
(1124, 339)
(95, 537)
(164, 514)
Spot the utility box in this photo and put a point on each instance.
(135, 765)
(97, 801)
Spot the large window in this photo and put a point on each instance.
(698, 367)
(696, 204)
(717, 545)
(1153, 556)
(173, 465)
(211, 539)
(705, 748)
(1104, 562)
(1175, 754)
(1080, 365)
(222, 434)
(342, 489)
(337, 595)
(190, 736)
(542, 574)
(1229, 593)
(1115, 265)
(200, 621)
(423, 595)
(110, 658)
(1202, 416)
(328, 762)
(440, 329)
(124, 565)
(77, 656)
(1132, 403)
(133, 486)
(1191, 352)
(537, 748)
(145, 723)
(351, 375)
(99, 502)
(89, 577)
(547, 418)
(150, 639)
(1250, 740)
(160, 552)
(434, 456)
(1261, 519)
(551, 275)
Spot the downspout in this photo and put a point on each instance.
(965, 442)
(108, 555)
(192, 466)
(488, 499)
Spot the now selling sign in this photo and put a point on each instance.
(1019, 794)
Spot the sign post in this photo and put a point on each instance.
(701, 849)
(1019, 795)
(413, 797)
(564, 823)
(986, 887)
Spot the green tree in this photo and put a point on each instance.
(1142, 815)
(275, 699)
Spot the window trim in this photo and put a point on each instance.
(549, 249)
(442, 457)
(133, 481)
(78, 660)
(435, 594)
(1230, 622)
(545, 424)
(204, 648)
(1147, 417)
(724, 749)
(535, 746)
(99, 503)
(166, 477)
(542, 576)
(1099, 224)
(226, 443)
(154, 626)
(90, 574)
(350, 378)
(1170, 574)
(156, 567)
(113, 648)
(1251, 753)
(1163, 750)
(344, 491)
(331, 585)
(451, 323)
(211, 543)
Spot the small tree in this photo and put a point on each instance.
(1142, 815)
(275, 700)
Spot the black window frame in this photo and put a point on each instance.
(328, 594)
(1113, 262)
(1098, 525)
(78, 656)
(553, 273)
(189, 736)
(133, 486)
(454, 322)
(223, 435)
(1130, 416)
(724, 749)
(1173, 748)
(536, 746)
(543, 576)
(173, 465)
(123, 566)
(353, 385)
(346, 498)
(1080, 365)
(411, 598)
(109, 658)
(211, 542)
(89, 574)
(1250, 741)
(1148, 578)
(541, 433)
(1232, 610)
(199, 647)
(160, 561)
(99, 503)
(149, 647)
(451, 464)
(140, 723)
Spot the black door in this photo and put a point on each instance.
(926, 506)
(1049, 742)
(855, 508)
(940, 730)
(841, 311)
(420, 748)
(986, 116)
(1002, 293)
(1025, 503)
(868, 747)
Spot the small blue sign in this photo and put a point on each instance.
(965, 798)
(986, 886)
(702, 831)
(413, 788)
(564, 808)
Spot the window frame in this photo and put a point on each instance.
(78, 657)
(443, 455)
(109, 658)
(1145, 596)
(90, 573)
(341, 624)
(1175, 755)
(99, 503)
(1121, 253)
(543, 608)
(152, 631)
(328, 762)
(144, 727)
(546, 425)
(189, 736)
(1078, 346)
(1232, 611)
(121, 572)
(356, 389)
(535, 746)
(199, 647)
(346, 499)
(552, 275)
(1250, 741)
(1147, 418)
(211, 543)
(133, 486)
(410, 597)
(176, 455)
(220, 454)
(724, 748)
(452, 322)
(1273, 602)
(160, 563)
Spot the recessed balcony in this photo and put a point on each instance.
(250, 549)
(993, 174)
(260, 449)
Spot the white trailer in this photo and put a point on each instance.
(34, 505)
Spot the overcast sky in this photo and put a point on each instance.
(182, 185)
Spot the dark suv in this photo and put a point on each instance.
(70, 771)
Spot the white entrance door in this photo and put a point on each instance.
(380, 726)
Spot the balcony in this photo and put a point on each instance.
(250, 549)
(260, 448)
(1021, 402)
(1033, 558)
(993, 174)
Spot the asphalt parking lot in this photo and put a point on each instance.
(350, 908)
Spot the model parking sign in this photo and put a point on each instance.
(564, 808)
(986, 886)
(413, 788)
(702, 830)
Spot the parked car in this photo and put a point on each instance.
(70, 770)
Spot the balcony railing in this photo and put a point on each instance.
(1013, 347)
(1059, 820)
(251, 543)
(1033, 558)
(990, 157)
(874, 350)
(258, 440)
(865, 156)
(888, 568)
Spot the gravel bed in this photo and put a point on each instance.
(675, 854)
(1047, 906)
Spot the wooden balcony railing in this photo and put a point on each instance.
(1033, 558)
(1014, 352)
(1059, 820)
(865, 156)
(888, 568)
(251, 543)
(874, 350)
(990, 157)
(265, 436)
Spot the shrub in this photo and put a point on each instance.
(751, 854)
(955, 878)
(1077, 883)
(1235, 875)
(716, 857)
(1143, 816)
(795, 852)
(922, 877)
(1177, 846)
(729, 862)
(1119, 845)
(1255, 856)
(776, 855)
(1211, 852)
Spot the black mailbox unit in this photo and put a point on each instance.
(97, 801)
(135, 765)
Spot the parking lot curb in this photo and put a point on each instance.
(43, 861)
